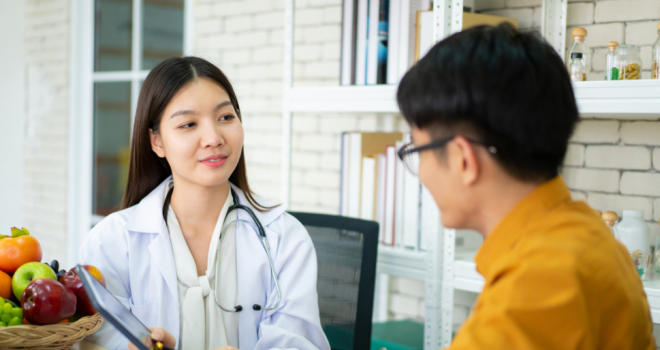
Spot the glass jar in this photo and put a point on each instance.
(576, 69)
(578, 46)
(655, 57)
(611, 70)
(629, 62)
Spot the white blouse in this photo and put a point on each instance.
(204, 325)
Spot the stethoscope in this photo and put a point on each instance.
(262, 235)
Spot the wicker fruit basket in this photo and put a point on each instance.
(61, 336)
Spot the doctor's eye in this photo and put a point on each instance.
(187, 125)
(227, 117)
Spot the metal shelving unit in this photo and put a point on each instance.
(442, 268)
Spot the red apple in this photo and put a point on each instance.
(46, 301)
(72, 281)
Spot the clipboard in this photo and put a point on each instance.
(117, 314)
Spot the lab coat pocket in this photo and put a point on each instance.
(147, 313)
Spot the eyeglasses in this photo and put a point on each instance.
(409, 154)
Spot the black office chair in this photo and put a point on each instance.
(346, 250)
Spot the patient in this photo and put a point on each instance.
(491, 112)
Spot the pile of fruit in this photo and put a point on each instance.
(32, 292)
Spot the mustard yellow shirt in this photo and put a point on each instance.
(556, 278)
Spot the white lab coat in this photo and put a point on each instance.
(133, 251)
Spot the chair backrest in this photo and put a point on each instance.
(346, 249)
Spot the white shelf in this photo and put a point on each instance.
(466, 276)
(372, 98)
(401, 262)
(632, 99)
(638, 99)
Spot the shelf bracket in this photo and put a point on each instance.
(553, 24)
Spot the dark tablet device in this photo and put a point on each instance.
(117, 314)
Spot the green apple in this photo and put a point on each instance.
(28, 273)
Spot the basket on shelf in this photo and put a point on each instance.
(60, 336)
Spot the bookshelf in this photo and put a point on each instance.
(441, 266)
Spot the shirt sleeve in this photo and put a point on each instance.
(535, 302)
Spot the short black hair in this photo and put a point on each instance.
(510, 89)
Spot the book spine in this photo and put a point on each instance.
(361, 43)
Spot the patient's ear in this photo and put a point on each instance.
(156, 143)
(464, 160)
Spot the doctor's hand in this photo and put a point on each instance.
(161, 335)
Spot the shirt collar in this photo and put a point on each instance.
(529, 210)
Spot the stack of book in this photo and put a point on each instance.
(382, 39)
(375, 185)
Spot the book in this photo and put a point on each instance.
(356, 146)
(383, 41)
(361, 43)
(407, 33)
(349, 23)
(411, 207)
(390, 188)
(399, 197)
(429, 219)
(345, 171)
(372, 42)
(368, 188)
(425, 40)
(355, 175)
(393, 48)
(380, 196)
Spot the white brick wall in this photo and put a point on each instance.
(46, 141)
(621, 163)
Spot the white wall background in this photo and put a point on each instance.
(12, 117)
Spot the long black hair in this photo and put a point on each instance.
(147, 170)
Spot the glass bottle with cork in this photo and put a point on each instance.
(578, 46)
(655, 57)
(611, 70)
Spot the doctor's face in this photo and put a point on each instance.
(200, 134)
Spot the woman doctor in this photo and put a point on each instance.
(160, 259)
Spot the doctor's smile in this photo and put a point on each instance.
(214, 161)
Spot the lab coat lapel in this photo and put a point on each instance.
(163, 257)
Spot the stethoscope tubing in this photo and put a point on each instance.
(264, 240)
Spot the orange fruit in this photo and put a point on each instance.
(5, 286)
(18, 250)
